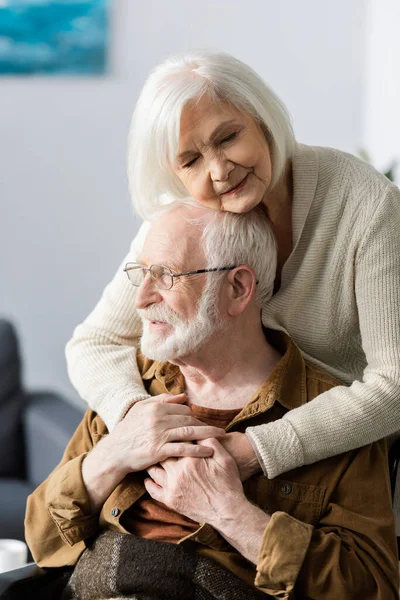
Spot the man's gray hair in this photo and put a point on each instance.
(243, 239)
(155, 127)
(231, 239)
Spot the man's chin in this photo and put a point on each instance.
(156, 348)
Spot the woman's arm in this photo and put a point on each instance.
(345, 418)
(101, 356)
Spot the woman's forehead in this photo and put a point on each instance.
(207, 114)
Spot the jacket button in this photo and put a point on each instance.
(286, 488)
(115, 512)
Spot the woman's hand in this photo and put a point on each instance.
(156, 429)
(238, 446)
(152, 431)
(205, 490)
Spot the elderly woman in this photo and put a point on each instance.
(208, 127)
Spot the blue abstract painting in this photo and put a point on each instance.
(53, 37)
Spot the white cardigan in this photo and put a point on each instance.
(339, 301)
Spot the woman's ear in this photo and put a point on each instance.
(241, 289)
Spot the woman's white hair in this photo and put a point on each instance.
(154, 134)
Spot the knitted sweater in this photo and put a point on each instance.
(339, 301)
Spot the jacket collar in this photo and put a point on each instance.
(289, 375)
(286, 384)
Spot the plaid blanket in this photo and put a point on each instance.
(122, 566)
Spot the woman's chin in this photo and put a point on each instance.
(240, 204)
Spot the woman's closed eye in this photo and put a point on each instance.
(229, 138)
(190, 163)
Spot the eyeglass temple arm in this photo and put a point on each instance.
(203, 271)
(206, 271)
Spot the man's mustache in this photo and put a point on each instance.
(159, 313)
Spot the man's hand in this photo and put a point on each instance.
(209, 490)
(238, 446)
(153, 430)
(205, 490)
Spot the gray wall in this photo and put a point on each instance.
(65, 219)
(381, 114)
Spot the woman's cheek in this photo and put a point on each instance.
(203, 192)
(244, 156)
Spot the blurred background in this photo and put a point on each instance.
(65, 216)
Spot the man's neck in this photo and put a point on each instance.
(230, 368)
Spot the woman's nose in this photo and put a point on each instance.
(147, 293)
(220, 168)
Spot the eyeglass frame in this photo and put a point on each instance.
(171, 273)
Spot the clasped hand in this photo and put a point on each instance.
(156, 429)
(206, 490)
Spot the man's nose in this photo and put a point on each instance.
(147, 293)
(220, 168)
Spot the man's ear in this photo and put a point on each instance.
(241, 289)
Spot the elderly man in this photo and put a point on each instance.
(322, 531)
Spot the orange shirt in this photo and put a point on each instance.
(150, 519)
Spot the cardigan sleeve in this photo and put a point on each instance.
(101, 356)
(345, 418)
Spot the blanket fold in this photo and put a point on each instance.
(122, 567)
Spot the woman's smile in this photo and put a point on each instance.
(239, 187)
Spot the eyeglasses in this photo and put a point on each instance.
(162, 277)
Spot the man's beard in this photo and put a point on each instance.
(187, 336)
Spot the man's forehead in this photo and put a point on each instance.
(171, 243)
(161, 247)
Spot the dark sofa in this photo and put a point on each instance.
(34, 430)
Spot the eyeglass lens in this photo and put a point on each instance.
(160, 275)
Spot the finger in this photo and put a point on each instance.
(154, 490)
(217, 447)
(166, 399)
(171, 408)
(176, 421)
(199, 432)
(157, 474)
(167, 462)
(174, 399)
(220, 455)
(180, 449)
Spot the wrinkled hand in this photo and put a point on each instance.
(155, 429)
(238, 446)
(204, 489)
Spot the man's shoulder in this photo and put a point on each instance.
(143, 363)
(147, 366)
